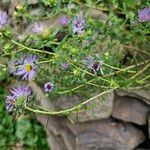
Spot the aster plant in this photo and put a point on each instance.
(28, 68)
(18, 98)
(80, 54)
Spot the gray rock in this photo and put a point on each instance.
(33, 2)
(58, 135)
(143, 94)
(94, 135)
(36, 12)
(55, 143)
(106, 135)
(130, 109)
(97, 14)
(97, 109)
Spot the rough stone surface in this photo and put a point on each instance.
(33, 2)
(130, 109)
(96, 14)
(100, 108)
(94, 135)
(59, 136)
(143, 94)
(106, 134)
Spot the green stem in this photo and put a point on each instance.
(2, 65)
(112, 67)
(7, 54)
(147, 77)
(32, 49)
(130, 67)
(70, 109)
(90, 82)
(139, 87)
(131, 47)
(71, 90)
(46, 61)
(141, 71)
(93, 84)
(87, 72)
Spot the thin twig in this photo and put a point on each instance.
(69, 109)
(32, 49)
(141, 71)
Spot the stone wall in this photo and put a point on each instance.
(122, 124)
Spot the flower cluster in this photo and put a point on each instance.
(78, 25)
(19, 97)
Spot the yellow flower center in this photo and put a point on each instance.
(28, 68)
(46, 34)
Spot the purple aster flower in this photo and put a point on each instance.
(78, 24)
(48, 87)
(20, 91)
(39, 28)
(93, 65)
(3, 18)
(28, 70)
(19, 95)
(64, 66)
(144, 14)
(64, 21)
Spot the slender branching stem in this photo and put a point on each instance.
(115, 68)
(141, 71)
(69, 109)
(32, 49)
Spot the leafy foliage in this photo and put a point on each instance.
(24, 132)
(119, 40)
